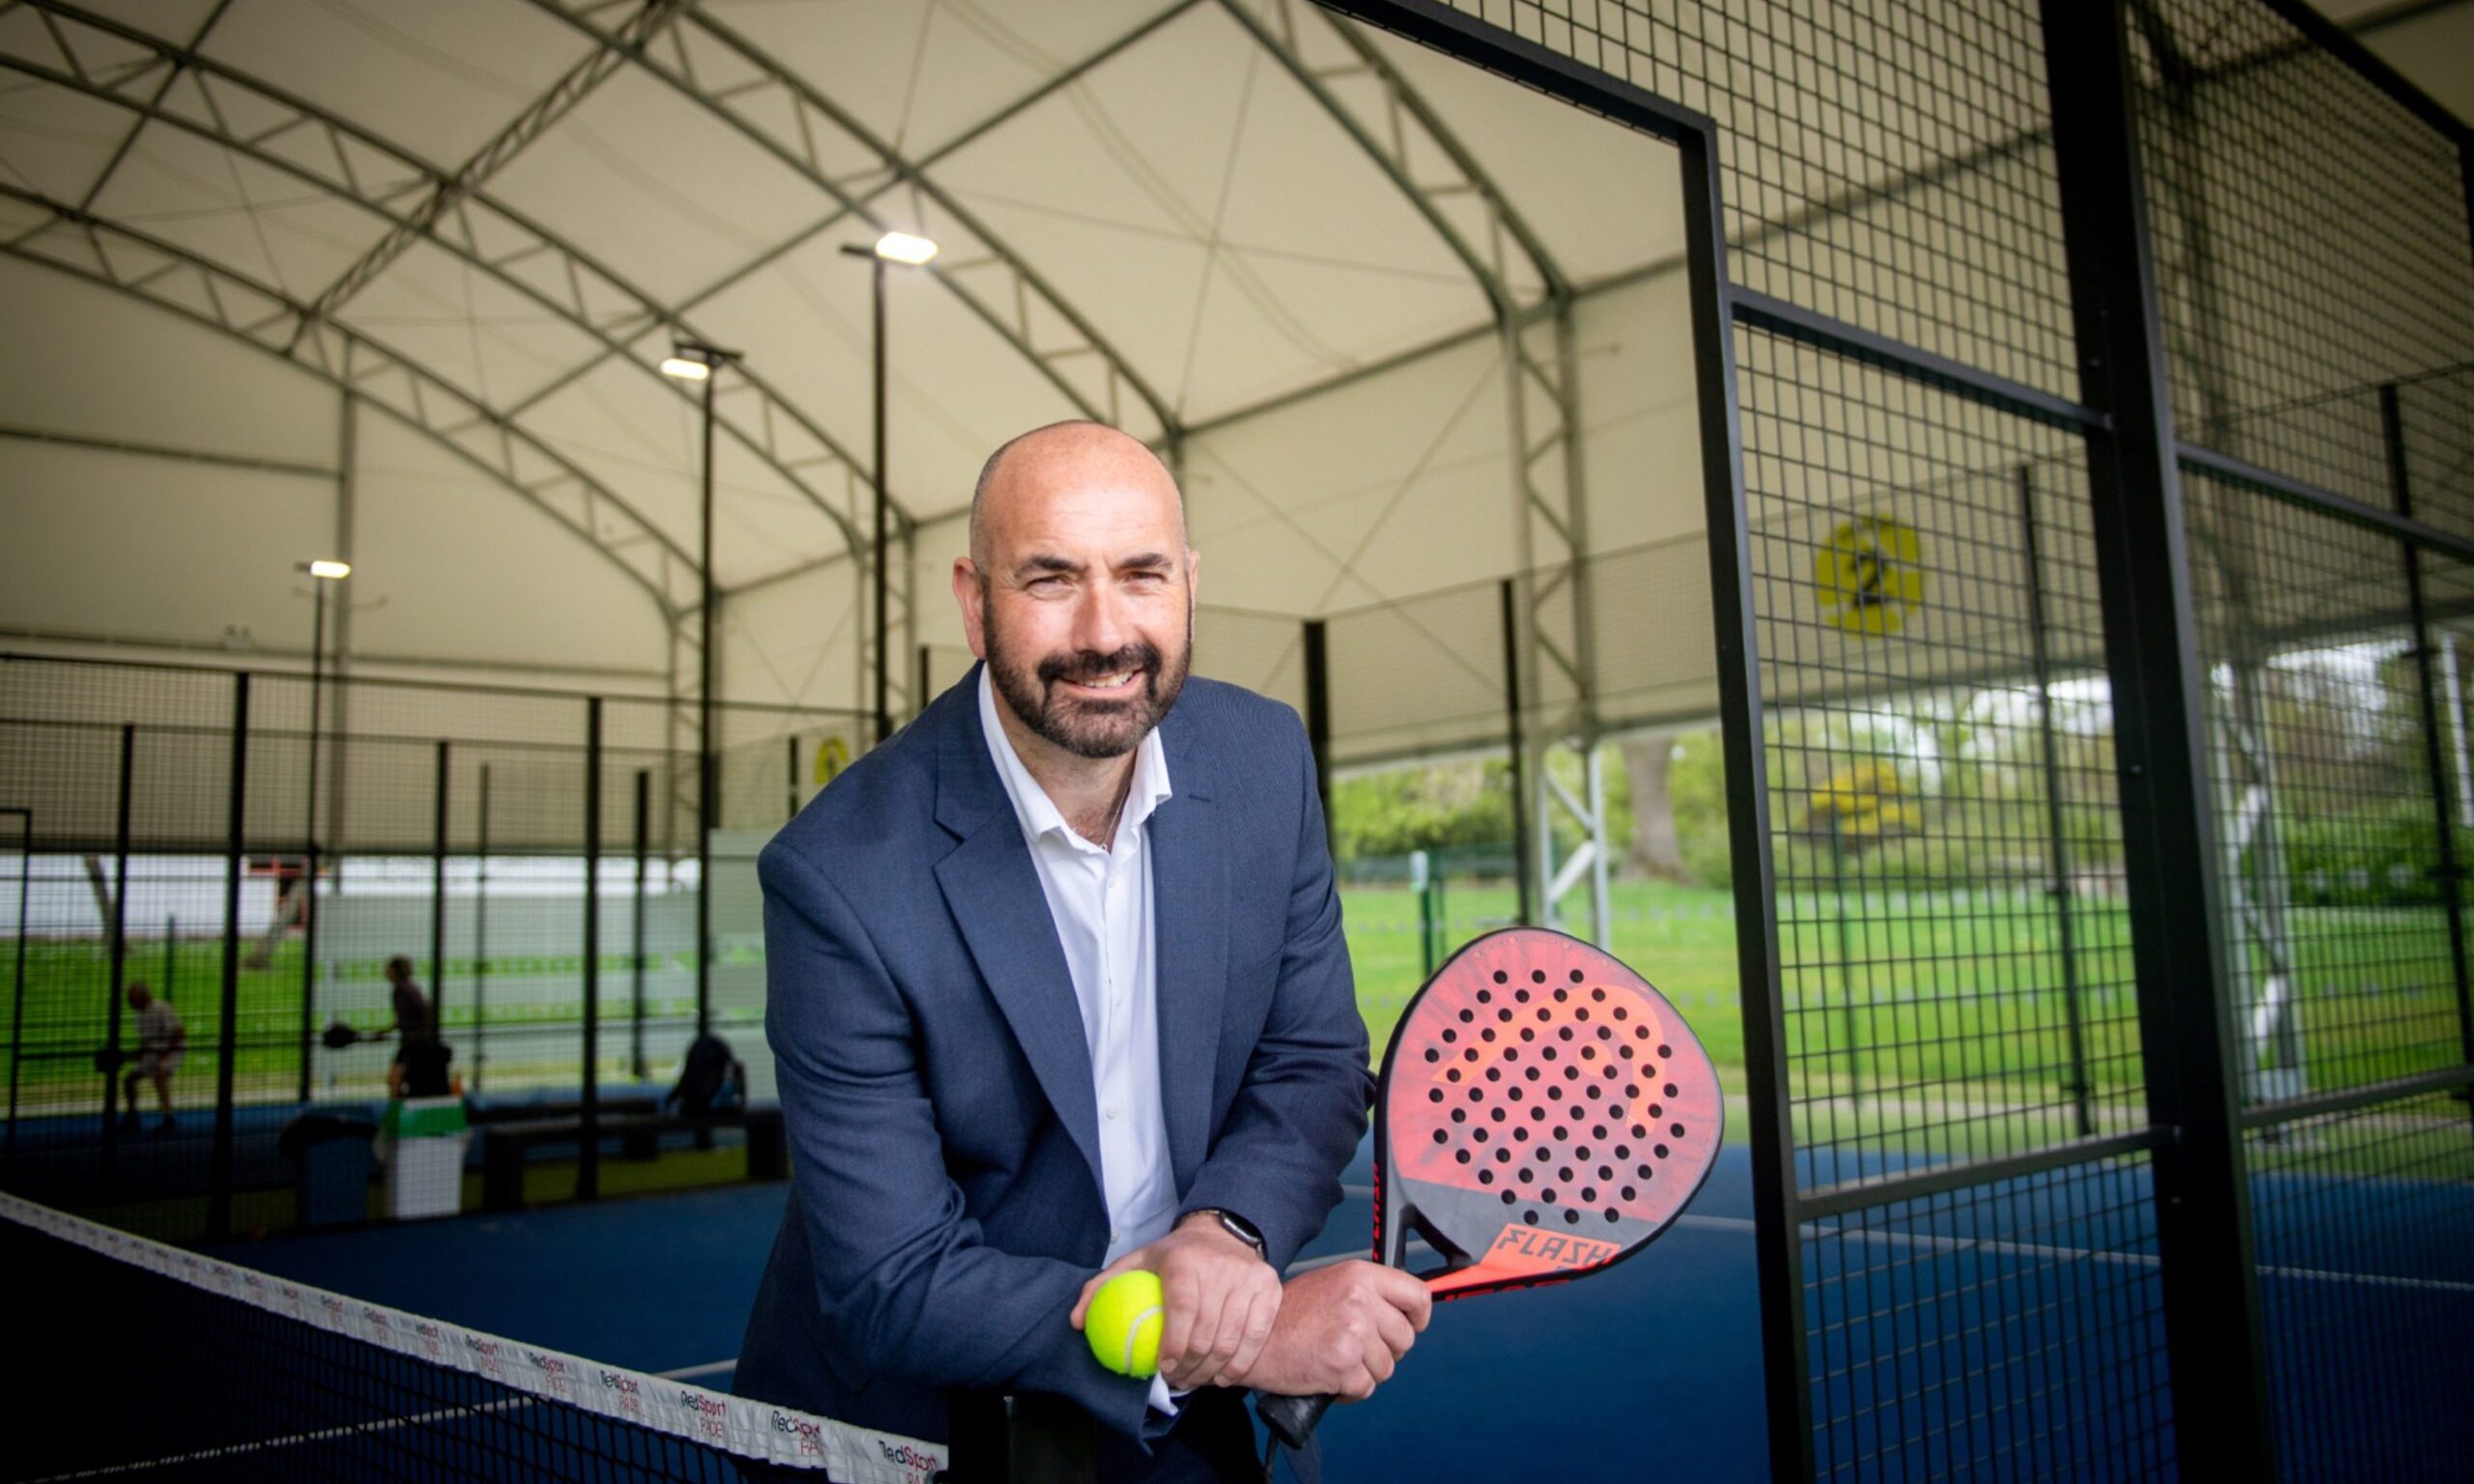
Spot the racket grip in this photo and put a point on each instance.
(1291, 1418)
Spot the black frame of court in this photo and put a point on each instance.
(2196, 1120)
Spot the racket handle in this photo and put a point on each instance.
(1291, 1418)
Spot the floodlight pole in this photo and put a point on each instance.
(880, 545)
(697, 361)
(883, 548)
(708, 629)
(310, 835)
(704, 790)
(892, 248)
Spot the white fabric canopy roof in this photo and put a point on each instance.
(1159, 214)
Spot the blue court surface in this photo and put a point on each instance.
(1653, 1368)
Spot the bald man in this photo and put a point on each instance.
(1056, 989)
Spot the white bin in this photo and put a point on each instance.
(423, 1141)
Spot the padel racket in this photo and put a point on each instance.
(1543, 1113)
(337, 1036)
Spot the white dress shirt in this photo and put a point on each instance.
(1101, 904)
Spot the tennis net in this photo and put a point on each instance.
(182, 1367)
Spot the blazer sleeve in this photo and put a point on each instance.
(1301, 1110)
(901, 1274)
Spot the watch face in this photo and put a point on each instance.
(1241, 1229)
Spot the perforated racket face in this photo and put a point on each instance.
(1543, 1113)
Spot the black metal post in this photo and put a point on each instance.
(704, 769)
(921, 697)
(117, 927)
(219, 1200)
(1787, 1385)
(438, 896)
(2451, 872)
(2057, 889)
(635, 926)
(309, 835)
(1512, 741)
(1318, 720)
(588, 1156)
(17, 985)
(481, 933)
(1846, 1018)
(790, 778)
(2214, 1339)
(883, 543)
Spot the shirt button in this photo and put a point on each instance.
(1113, 1111)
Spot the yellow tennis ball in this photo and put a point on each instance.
(1123, 1324)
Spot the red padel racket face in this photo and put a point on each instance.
(1543, 1113)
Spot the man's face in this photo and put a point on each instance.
(1084, 612)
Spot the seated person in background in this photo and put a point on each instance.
(710, 1079)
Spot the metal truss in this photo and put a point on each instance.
(1555, 628)
(173, 278)
(297, 138)
(786, 116)
(1407, 139)
(2260, 959)
(549, 109)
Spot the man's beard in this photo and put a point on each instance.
(1087, 727)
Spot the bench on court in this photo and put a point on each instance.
(506, 1145)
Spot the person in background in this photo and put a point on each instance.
(162, 1040)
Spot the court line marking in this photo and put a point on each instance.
(1996, 1245)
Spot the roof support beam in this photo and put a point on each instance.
(541, 266)
(145, 450)
(174, 279)
(448, 192)
(1388, 147)
(919, 168)
(743, 105)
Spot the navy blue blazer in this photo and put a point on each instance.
(945, 1205)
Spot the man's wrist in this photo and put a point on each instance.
(1227, 1221)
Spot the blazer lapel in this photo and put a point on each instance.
(1189, 893)
(993, 892)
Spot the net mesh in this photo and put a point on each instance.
(225, 1373)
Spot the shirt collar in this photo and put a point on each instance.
(1035, 810)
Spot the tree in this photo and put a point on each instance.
(1655, 850)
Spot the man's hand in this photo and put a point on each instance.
(1341, 1331)
(1222, 1299)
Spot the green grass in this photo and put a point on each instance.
(1953, 1005)
(1952, 1000)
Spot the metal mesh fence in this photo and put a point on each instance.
(451, 829)
(2009, 1330)
(2310, 239)
(1891, 165)
(1953, 949)
(2340, 953)
(1953, 945)
(2367, 1283)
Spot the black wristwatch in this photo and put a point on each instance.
(1234, 1225)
